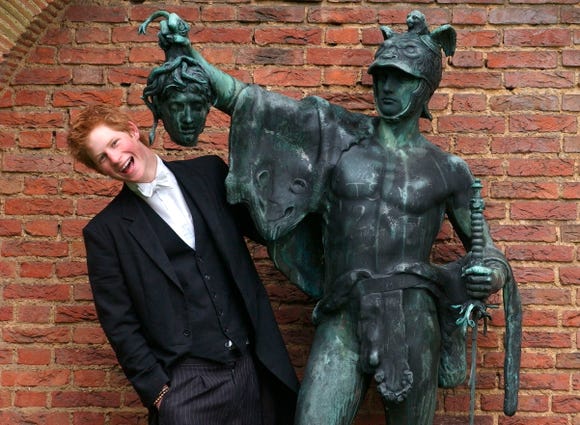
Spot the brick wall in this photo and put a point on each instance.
(509, 104)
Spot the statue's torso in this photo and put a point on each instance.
(385, 206)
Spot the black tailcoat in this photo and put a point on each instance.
(139, 300)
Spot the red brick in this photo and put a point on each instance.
(269, 56)
(38, 119)
(92, 55)
(543, 210)
(30, 399)
(527, 233)
(30, 97)
(571, 58)
(340, 77)
(93, 35)
(238, 35)
(547, 297)
(41, 228)
(89, 418)
(76, 313)
(470, 145)
(86, 398)
(41, 186)
(188, 12)
(541, 60)
(43, 75)
(534, 403)
(293, 14)
(36, 270)
(88, 75)
(34, 356)
(90, 13)
(468, 59)
(44, 55)
(525, 144)
(470, 16)
(34, 314)
(338, 56)
(546, 340)
(572, 144)
(571, 318)
(469, 80)
(287, 77)
(566, 403)
(139, 55)
(90, 378)
(90, 207)
(571, 102)
(474, 38)
(218, 13)
(331, 15)
(468, 103)
(541, 167)
(86, 356)
(70, 269)
(40, 292)
(10, 227)
(519, 15)
(570, 233)
(568, 360)
(556, 253)
(7, 270)
(570, 275)
(543, 123)
(471, 123)
(57, 36)
(554, 37)
(69, 98)
(539, 79)
(551, 381)
(89, 335)
(34, 206)
(342, 36)
(288, 36)
(30, 335)
(98, 187)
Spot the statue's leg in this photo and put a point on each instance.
(333, 386)
(424, 339)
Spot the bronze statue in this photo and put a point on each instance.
(350, 206)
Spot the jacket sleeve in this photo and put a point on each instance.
(116, 313)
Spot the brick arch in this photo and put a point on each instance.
(21, 22)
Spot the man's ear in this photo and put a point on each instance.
(134, 130)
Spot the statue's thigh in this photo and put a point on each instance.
(424, 341)
(333, 387)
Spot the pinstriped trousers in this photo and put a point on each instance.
(208, 393)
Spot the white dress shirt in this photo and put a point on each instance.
(164, 195)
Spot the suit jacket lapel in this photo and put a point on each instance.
(195, 186)
(139, 227)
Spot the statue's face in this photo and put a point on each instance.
(183, 114)
(396, 92)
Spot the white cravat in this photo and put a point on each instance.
(164, 196)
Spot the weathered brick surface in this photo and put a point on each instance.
(508, 104)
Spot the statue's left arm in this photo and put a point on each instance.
(487, 276)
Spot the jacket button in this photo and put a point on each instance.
(229, 344)
(187, 332)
